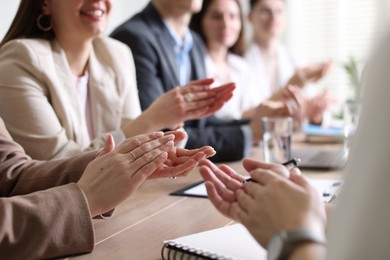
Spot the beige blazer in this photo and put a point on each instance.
(42, 222)
(38, 98)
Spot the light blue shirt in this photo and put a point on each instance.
(182, 48)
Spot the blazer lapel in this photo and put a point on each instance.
(198, 59)
(104, 104)
(68, 96)
(163, 41)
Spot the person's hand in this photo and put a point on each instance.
(116, 173)
(317, 71)
(252, 164)
(193, 101)
(266, 108)
(221, 184)
(272, 203)
(310, 74)
(295, 101)
(181, 162)
(316, 107)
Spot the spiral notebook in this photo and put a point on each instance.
(228, 243)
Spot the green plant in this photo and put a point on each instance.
(351, 68)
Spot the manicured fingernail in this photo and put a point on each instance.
(169, 144)
(159, 134)
(170, 137)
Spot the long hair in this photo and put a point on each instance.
(24, 24)
(238, 47)
(252, 3)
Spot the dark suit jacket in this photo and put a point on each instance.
(41, 222)
(152, 47)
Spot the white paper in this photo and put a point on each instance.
(325, 187)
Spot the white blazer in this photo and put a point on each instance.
(38, 99)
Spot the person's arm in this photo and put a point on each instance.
(19, 174)
(46, 224)
(193, 101)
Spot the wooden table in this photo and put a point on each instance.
(141, 224)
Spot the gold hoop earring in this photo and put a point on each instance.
(42, 27)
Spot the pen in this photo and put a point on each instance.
(293, 162)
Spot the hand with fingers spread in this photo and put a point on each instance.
(273, 203)
(193, 101)
(276, 200)
(221, 184)
(181, 162)
(116, 173)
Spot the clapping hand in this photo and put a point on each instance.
(193, 101)
(181, 162)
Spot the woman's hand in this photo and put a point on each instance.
(193, 101)
(181, 162)
(115, 174)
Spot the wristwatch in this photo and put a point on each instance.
(283, 243)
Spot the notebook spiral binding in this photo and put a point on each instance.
(175, 251)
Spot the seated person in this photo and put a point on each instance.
(279, 203)
(63, 86)
(168, 54)
(274, 66)
(46, 208)
(220, 25)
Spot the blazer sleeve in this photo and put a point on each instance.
(43, 224)
(46, 224)
(20, 175)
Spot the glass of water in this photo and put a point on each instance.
(277, 132)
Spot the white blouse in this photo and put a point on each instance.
(239, 73)
(285, 64)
